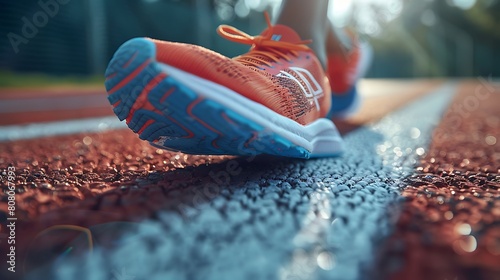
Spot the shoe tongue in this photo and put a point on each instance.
(282, 33)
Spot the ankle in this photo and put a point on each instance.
(318, 47)
(338, 41)
(309, 21)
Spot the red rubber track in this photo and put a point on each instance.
(450, 222)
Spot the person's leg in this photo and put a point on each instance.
(338, 51)
(337, 40)
(309, 19)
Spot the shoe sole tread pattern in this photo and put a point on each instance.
(170, 115)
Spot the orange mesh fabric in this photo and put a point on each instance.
(264, 76)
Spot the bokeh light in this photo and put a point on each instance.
(367, 15)
(463, 4)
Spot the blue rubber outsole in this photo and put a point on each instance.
(174, 117)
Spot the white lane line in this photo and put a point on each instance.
(344, 245)
(51, 104)
(18, 132)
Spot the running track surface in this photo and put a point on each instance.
(416, 195)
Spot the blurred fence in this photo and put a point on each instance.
(424, 39)
(74, 36)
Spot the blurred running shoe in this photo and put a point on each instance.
(344, 71)
(182, 97)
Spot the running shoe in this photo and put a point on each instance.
(344, 71)
(181, 97)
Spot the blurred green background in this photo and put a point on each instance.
(72, 40)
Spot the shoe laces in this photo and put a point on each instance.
(264, 49)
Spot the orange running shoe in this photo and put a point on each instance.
(344, 71)
(181, 97)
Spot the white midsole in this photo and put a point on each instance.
(307, 136)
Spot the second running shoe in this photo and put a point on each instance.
(181, 97)
(344, 71)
